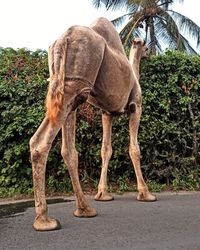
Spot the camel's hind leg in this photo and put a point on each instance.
(40, 145)
(70, 157)
(134, 150)
(106, 152)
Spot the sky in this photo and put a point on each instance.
(36, 24)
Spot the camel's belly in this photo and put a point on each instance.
(111, 104)
(113, 84)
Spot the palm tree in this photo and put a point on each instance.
(156, 22)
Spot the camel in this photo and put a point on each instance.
(85, 64)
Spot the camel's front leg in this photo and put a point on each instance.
(106, 152)
(40, 145)
(70, 157)
(134, 151)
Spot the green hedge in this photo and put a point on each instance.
(22, 91)
(169, 132)
(170, 126)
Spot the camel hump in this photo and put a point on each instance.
(107, 30)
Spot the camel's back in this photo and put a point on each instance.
(106, 29)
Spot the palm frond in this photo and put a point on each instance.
(166, 38)
(161, 31)
(110, 4)
(132, 8)
(168, 31)
(158, 45)
(124, 32)
(136, 20)
(170, 25)
(187, 45)
(187, 26)
(96, 3)
(130, 30)
(119, 20)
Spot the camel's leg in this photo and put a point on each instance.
(70, 157)
(134, 151)
(106, 152)
(40, 145)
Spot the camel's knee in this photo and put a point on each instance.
(38, 155)
(33, 143)
(106, 151)
(64, 154)
(38, 152)
(70, 156)
(134, 151)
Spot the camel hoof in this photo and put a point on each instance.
(85, 213)
(103, 196)
(146, 196)
(46, 225)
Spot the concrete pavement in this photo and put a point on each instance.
(173, 222)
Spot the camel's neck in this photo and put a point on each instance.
(134, 59)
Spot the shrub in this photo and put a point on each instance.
(171, 112)
(169, 133)
(22, 91)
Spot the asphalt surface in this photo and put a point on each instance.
(173, 222)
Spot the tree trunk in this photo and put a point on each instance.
(152, 35)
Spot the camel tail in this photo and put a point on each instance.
(57, 60)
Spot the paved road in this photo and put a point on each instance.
(173, 222)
